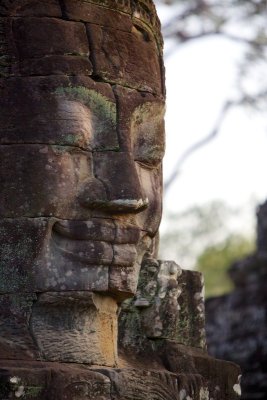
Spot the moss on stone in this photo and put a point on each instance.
(32, 392)
(100, 105)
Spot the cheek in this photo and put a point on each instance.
(151, 184)
(22, 241)
(40, 180)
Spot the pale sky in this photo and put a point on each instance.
(200, 76)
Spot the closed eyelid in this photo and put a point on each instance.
(147, 133)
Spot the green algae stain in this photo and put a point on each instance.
(32, 392)
(15, 253)
(103, 115)
(98, 104)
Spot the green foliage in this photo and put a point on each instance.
(187, 233)
(209, 238)
(215, 261)
(241, 21)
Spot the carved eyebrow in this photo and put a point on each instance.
(97, 102)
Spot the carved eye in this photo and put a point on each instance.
(147, 132)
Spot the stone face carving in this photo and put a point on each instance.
(81, 145)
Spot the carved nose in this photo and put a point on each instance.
(115, 187)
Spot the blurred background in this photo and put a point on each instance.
(216, 131)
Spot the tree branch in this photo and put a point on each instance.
(184, 37)
(199, 144)
(244, 100)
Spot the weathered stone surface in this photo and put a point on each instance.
(61, 326)
(16, 339)
(80, 208)
(51, 381)
(118, 5)
(118, 55)
(65, 37)
(51, 192)
(192, 310)
(85, 323)
(154, 385)
(236, 323)
(27, 52)
(22, 241)
(56, 65)
(26, 8)
(141, 124)
(58, 110)
(82, 10)
(34, 258)
(151, 216)
(168, 304)
(123, 280)
(124, 193)
(8, 59)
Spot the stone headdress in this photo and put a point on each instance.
(140, 10)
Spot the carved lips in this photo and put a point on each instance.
(98, 241)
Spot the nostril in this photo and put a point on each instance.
(93, 195)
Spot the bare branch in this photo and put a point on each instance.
(245, 100)
(199, 144)
(185, 37)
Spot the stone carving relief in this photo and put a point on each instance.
(81, 145)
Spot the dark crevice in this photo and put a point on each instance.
(117, 116)
(113, 249)
(95, 77)
(50, 145)
(63, 10)
(143, 32)
(67, 146)
(41, 357)
(92, 58)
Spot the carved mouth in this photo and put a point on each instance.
(98, 241)
(98, 229)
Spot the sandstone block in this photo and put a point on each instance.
(56, 65)
(29, 8)
(129, 59)
(61, 171)
(78, 327)
(93, 13)
(34, 259)
(58, 110)
(168, 304)
(65, 37)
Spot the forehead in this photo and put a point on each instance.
(78, 76)
(114, 41)
(75, 111)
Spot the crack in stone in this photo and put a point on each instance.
(83, 149)
(94, 78)
(31, 330)
(63, 10)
